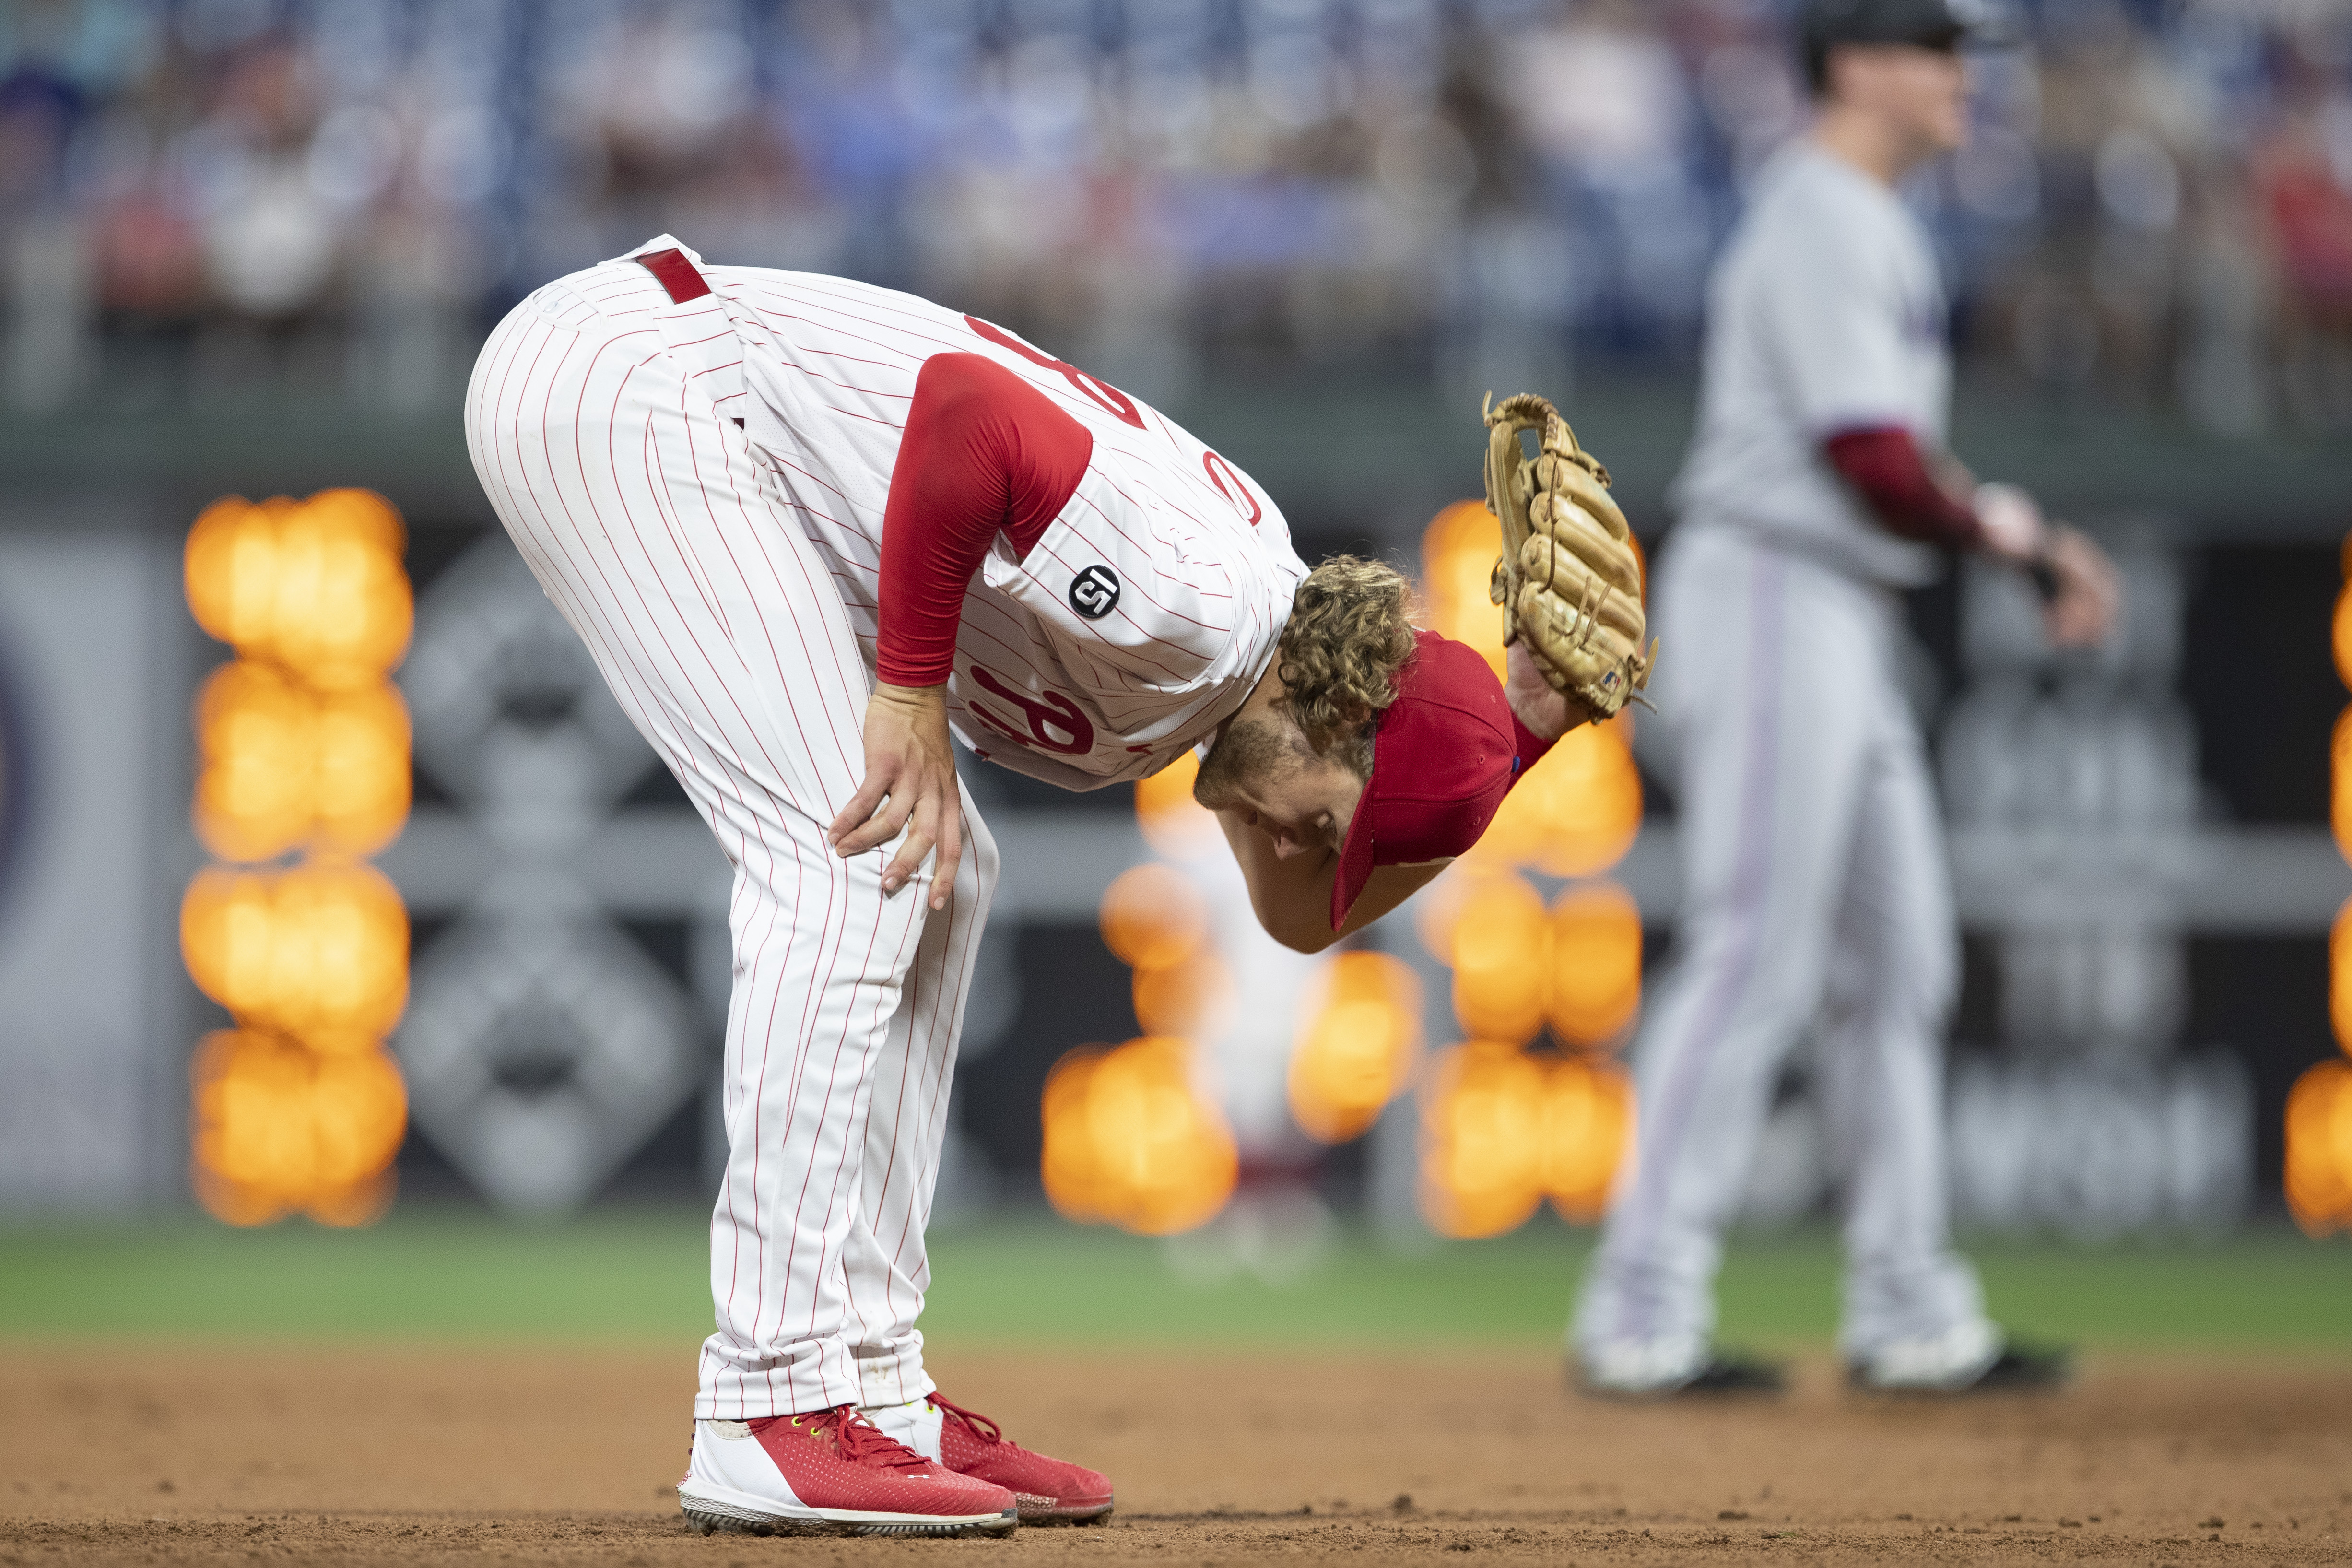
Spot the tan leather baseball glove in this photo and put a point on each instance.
(1569, 580)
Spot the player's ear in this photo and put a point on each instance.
(1834, 84)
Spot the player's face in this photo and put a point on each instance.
(1922, 94)
(1939, 102)
(1303, 810)
(1261, 771)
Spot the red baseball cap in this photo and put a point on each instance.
(1444, 754)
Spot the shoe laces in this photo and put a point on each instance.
(861, 1442)
(982, 1428)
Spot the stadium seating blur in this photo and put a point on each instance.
(340, 196)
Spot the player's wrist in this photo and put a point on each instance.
(920, 711)
(1543, 712)
(2013, 524)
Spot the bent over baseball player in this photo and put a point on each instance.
(1816, 891)
(809, 529)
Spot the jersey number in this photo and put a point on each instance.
(1055, 713)
(1221, 471)
(1106, 397)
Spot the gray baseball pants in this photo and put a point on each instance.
(1816, 898)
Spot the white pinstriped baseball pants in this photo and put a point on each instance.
(1816, 897)
(716, 622)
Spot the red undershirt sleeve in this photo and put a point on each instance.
(984, 451)
(1529, 748)
(1885, 466)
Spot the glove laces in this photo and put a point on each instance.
(981, 1425)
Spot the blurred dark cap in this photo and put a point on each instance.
(1928, 24)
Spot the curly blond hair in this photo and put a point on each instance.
(1350, 631)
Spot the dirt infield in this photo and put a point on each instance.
(181, 1454)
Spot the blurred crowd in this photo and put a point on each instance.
(202, 197)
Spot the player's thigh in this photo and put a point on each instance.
(662, 541)
(1769, 735)
(1897, 937)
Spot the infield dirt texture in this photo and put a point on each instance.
(402, 1457)
(200, 1397)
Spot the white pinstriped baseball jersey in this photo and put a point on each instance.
(726, 586)
(1137, 622)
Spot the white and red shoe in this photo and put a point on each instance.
(830, 1472)
(1048, 1490)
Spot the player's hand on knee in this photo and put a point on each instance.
(910, 785)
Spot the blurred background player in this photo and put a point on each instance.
(1817, 894)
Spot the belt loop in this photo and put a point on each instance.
(674, 273)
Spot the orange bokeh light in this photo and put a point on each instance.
(363, 781)
(281, 767)
(1501, 1130)
(1593, 973)
(2340, 976)
(1173, 823)
(1482, 1140)
(1587, 1123)
(1359, 1041)
(279, 1128)
(2340, 784)
(1131, 1141)
(1518, 968)
(320, 952)
(257, 742)
(1577, 810)
(1499, 952)
(1458, 552)
(2343, 635)
(1153, 917)
(315, 586)
(1193, 998)
(302, 744)
(2319, 1149)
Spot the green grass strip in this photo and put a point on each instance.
(641, 1276)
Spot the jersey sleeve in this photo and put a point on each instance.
(1837, 318)
(983, 454)
(1885, 468)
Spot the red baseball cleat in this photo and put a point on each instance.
(830, 1472)
(1049, 1492)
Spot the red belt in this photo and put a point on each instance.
(674, 272)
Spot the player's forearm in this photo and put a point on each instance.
(983, 451)
(1888, 471)
(1891, 473)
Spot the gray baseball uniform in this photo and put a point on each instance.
(1816, 895)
